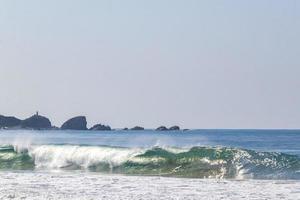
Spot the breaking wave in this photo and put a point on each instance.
(195, 162)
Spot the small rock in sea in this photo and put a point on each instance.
(55, 128)
(162, 128)
(137, 128)
(174, 128)
(100, 127)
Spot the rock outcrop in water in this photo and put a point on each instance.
(174, 128)
(9, 122)
(100, 127)
(137, 128)
(55, 128)
(162, 128)
(36, 122)
(75, 123)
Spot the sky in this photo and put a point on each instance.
(197, 64)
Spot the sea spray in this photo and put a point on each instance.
(64, 156)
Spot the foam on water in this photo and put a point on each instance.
(81, 186)
(54, 156)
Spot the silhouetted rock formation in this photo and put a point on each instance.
(174, 128)
(36, 122)
(125, 129)
(100, 127)
(162, 128)
(137, 128)
(9, 122)
(75, 123)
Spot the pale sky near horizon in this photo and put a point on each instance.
(198, 64)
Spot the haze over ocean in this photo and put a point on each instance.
(198, 64)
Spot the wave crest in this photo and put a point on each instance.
(196, 162)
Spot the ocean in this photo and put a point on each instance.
(193, 164)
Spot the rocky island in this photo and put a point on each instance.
(100, 127)
(9, 122)
(36, 121)
(75, 123)
(39, 122)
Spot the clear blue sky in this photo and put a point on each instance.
(199, 64)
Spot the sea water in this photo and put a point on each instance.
(194, 164)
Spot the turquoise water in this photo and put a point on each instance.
(258, 154)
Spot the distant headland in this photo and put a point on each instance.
(39, 122)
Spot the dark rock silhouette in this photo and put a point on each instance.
(55, 128)
(162, 128)
(100, 127)
(75, 123)
(9, 121)
(39, 122)
(174, 128)
(137, 128)
(36, 122)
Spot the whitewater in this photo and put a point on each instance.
(197, 164)
(81, 186)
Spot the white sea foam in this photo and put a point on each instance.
(82, 186)
(55, 156)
